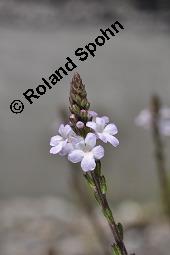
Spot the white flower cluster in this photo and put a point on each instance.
(84, 150)
(144, 120)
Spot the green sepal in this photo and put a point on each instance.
(120, 229)
(83, 102)
(108, 214)
(116, 250)
(89, 181)
(97, 198)
(76, 109)
(103, 185)
(78, 99)
(98, 168)
(87, 106)
(83, 115)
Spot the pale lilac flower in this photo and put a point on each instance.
(103, 130)
(144, 120)
(62, 143)
(87, 152)
(92, 114)
(80, 124)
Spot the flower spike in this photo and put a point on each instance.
(79, 142)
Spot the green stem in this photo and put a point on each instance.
(108, 213)
(88, 208)
(160, 159)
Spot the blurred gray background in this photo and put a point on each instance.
(45, 206)
(35, 39)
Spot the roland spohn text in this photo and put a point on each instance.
(82, 54)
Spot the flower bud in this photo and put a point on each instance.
(87, 105)
(73, 118)
(83, 114)
(80, 124)
(75, 109)
(83, 102)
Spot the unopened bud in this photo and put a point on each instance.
(75, 109)
(80, 124)
(83, 102)
(87, 105)
(72, 118)
(83, 114)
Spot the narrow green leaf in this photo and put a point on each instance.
(97, 198)
(120, 229)
(108, 214)
(98, 168)
(103, 184)
(116, 250)
(89, 181)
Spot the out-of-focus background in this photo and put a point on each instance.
(39, 207)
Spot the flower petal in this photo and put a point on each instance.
(98, 152)
(67, 130)
(90, 140)
(165, 127)
(61, 129)
(55, 140)
(111, 129)
(100, 122)
(144, 119)
(68, 148)
(92, 114)
(88, 163)
(56, 149)
(76, 141)
(165, 113)
(106, 119)
(102, 137)
(64, 130)
(113, 140)
(76, 156)
(91, 125)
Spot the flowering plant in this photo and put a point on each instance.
(157, 119)
(77, 140)
(144, 119)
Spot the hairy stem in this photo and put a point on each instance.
(88, 208)
(107, 213)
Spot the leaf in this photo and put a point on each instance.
(120, 229)
(89, 181)
(108, 214)
(116, 250)
(103, 185)
(98, 168)
(97, 198)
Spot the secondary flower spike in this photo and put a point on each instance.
(144, 119)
